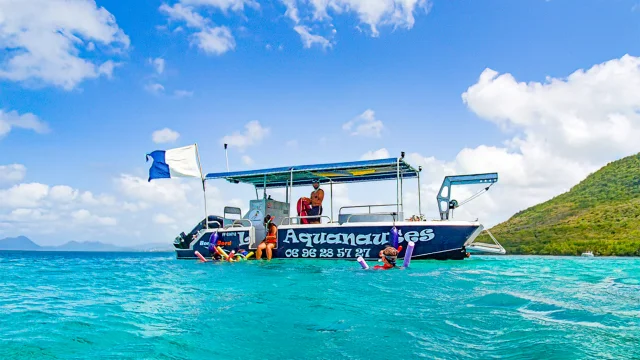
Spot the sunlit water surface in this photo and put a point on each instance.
(152, 306)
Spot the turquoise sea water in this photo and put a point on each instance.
(151, 306)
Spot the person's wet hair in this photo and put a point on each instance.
(391, 254)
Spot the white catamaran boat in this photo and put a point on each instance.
(359, 230)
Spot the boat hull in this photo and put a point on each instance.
(433, 240)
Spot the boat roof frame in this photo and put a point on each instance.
(334, 173)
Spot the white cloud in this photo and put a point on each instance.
(23, 195)
(63, 193)
(163, 219)
(365, 124)
(253, 134)
(154, 88)
(12, 173)
(308, 17)
(292, 10)
(84, 216)
(46, 39)
(154, 192)
(165, 135)
(87, 198)
(21, 215)
(158, 64)
(377, 154)
(309, 39)
(396, 13)
(48, 214)
(216, 40)
(247, 160)
(135, 206)
(223, 5)
(182, 93)
(591, 115)
(181, 13)
(29, 121)
(562, 130)
(106, 68)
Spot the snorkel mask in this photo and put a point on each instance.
(390, 254)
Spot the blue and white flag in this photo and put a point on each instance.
(178, 162)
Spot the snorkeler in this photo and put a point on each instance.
(389, 256)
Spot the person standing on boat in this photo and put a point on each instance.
(270, 240)
(317, 195)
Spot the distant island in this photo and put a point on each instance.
(600, 214)
(23, 243)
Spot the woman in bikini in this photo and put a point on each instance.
(270, 240)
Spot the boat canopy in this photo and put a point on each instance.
(346, 172)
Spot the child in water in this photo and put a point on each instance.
(389, 256)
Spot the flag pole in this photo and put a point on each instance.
(226, 156)
(204, 191)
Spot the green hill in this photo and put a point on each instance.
(600, 214)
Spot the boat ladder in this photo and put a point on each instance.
(487, 248)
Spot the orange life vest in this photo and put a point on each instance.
(272, 234)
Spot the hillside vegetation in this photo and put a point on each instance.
(600, 214)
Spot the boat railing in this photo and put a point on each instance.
(240, 223)
(213, 222)
(393, 215)
(365, 207)
(368, 215)
(298, 218)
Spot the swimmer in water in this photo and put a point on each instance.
(389, 257)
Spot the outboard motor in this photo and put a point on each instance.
(180, 240)
(183, 241)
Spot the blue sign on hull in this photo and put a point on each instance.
(349, 242)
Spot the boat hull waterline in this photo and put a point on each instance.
(435, 240)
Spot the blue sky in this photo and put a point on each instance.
(412, 75)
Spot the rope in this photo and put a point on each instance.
(474, 196)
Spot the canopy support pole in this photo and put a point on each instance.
(419, 194)
(331, 188)
(291, 189)
(264, 188)
(204, 190)
(398, 188)
(401, 195)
